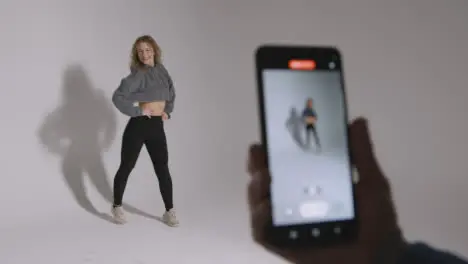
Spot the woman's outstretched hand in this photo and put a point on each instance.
(379, 231)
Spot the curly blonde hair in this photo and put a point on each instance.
(135, 61)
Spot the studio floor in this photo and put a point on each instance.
(297, 173)
(82, 238)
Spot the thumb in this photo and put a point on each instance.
(362, 152)
(257, 158)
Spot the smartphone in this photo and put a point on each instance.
(304, 131)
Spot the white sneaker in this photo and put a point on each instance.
(170, 219)
(118, 214)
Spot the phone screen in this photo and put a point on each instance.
(305, 127)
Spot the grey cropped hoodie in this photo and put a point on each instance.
(147, 84)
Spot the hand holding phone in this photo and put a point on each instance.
(302, 84)
(379, 239)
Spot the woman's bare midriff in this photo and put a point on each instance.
(157, 107)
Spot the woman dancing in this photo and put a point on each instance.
(147, 96)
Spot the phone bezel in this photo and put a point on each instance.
(277, 57)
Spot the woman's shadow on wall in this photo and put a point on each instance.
(79, 131)
(295, 126)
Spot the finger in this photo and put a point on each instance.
(260, 219)
(257, 158)
(259, 188)
(260, 222)
(362, 153)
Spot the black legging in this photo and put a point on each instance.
(146, 131)
(309, 129)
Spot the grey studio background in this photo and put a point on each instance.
(294, 167)
(405, 70)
